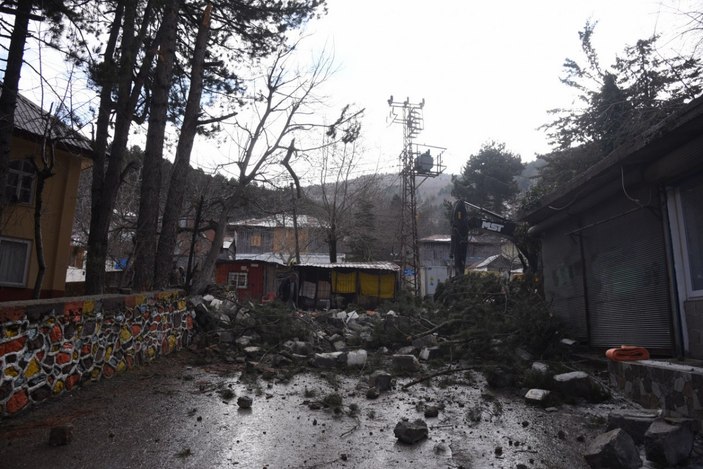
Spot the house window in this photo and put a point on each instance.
(14, 261)
(238, 279)
(691, 203)
(255, 240)
(20, 180)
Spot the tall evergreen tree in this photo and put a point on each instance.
(488, 178)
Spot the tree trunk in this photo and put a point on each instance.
(100, 207)
(106, 181)
(147, 222)
(181, 165)
(332, 241)
(204, 277)
(8, 99)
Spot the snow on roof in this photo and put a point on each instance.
(278, 221)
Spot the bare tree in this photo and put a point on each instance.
(339, 193)
(281, 113)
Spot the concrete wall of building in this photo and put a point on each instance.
(50, 347)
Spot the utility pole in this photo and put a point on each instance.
(415, 160)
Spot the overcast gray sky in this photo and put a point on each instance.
(486, 69)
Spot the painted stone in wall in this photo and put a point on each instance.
(48, 348)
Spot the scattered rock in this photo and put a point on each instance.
(61, 435)
(613, 450)
(329, 359)
(499, 377)
(538, 396)
(440, 448)
(410, 432)
(244, 402)
(668, 444)
(372, 393)
(405, 363)
(356, 357)
(425, 341)
(380, 380)
(252, 351)
(578, 384)
(430, 353)
(540, 367)
(431, 412)
(633, 422)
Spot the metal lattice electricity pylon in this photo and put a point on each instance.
(415, 161)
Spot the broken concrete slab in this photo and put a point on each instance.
(356, 357)
(613, 450)
(538, 396)
(429, 340)
(635, 423)
(540, 367)
(668, 444)
(329, 359)
(578, 384)
(380, 380)
(405, 363)
(407, 350)
(430, 353)
(410, 432)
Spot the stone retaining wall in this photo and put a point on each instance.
(48, 347)
(676, 389)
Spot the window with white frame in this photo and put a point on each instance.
(20, 181)
(690, 196)
(14, 261)
(238, 279)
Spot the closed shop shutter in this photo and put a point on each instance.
(627, 282)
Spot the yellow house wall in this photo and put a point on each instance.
(59, 203)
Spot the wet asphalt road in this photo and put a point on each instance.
(174, 414)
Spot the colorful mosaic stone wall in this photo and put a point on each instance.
(48, 348)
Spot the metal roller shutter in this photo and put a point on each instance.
(627, 282)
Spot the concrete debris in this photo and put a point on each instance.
(356, 358)
(578, 384)
(380, 380)
(635, 423)
(244, 402)
(538, 396)
(668, 444)
(410, 432)
(540, 367)
(613, 450)
(429, 340)
(430, 353)
(329, 359)
(405, 363)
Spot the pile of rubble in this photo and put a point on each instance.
(486, 326)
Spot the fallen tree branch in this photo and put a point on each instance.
(448, 371)
(436, 328)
